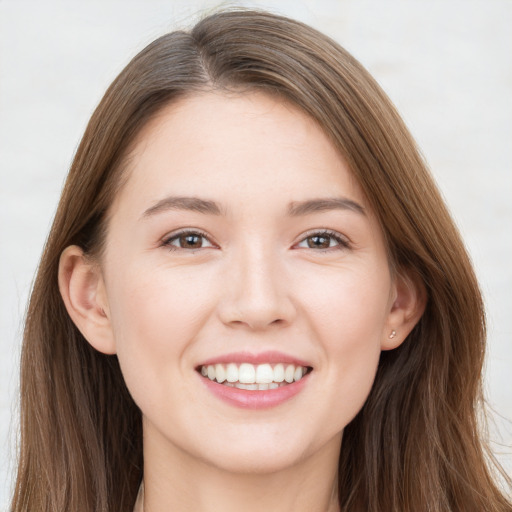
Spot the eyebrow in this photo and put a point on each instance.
(194, 204)
(295, 208)
(298, 208)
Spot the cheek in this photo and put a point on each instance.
(347, 313)
(156, 315)
(348, 304)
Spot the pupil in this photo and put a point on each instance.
(322, 242)
(193, 241)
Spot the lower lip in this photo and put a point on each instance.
(255, 399)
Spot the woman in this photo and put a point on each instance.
(252, 296)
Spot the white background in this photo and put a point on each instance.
(447, 65)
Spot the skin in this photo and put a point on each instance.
(255, 282)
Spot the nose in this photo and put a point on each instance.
(256, 294)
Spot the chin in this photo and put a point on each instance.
(256, 461)
(266, 454)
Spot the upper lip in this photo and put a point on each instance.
(270, 356)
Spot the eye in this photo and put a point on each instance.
(323, 240)
(187, 240)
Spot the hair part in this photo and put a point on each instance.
(416, 444)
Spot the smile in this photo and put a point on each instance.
(252, 377)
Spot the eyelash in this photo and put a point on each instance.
(186, 232)
(342, 242)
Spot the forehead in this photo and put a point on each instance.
(243, 145)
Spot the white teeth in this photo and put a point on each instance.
(220, 373)
(249, 376)
(278, 373)
(232, 373)
(251, 387)
(288, 373)
(247, 373)
(264, 374)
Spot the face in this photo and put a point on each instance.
(241, 249)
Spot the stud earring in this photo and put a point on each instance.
(392, 335)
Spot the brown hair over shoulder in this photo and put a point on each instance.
(416, 445)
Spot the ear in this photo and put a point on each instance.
(409, 299)
(83, 291)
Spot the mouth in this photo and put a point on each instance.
(254, 377)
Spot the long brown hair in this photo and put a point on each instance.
(416, 444)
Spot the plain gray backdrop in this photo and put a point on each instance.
(446, 64)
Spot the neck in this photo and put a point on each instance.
(182, 483)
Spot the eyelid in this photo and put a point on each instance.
(343, 241)
(170, 237)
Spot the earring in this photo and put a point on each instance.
(392, 335)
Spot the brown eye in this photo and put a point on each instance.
(324, 240)
(319, 241)
(188, 240)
